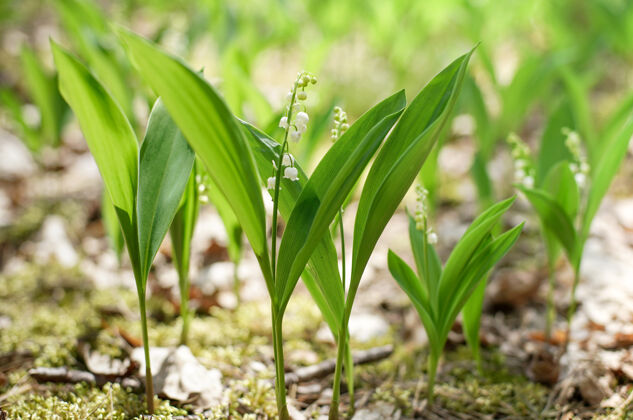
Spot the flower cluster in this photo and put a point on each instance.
(296, 124)
(202, 181)
(340, 123)
(290, 171)
(579, 165)
(523, 167)
(421, 211)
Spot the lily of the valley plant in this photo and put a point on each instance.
(565, 185)
(438, 292)
(145, 185)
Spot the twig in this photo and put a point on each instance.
(72, 376)
(327, 367)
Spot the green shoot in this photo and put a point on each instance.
(439, 294)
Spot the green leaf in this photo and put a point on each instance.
(553, 148)
(327, 189)
(111, 225)
(110, 138)
(181, 229)
(554, 217)
(29, 136)
(229, 220)
(399, 162)
(43, 90)
(165, 164)
(321, 277)
(561, 185)
(427, 261)
(475, 271)
(412, 286)
(212, 131)
(471, 318)
(602, 175)
(467, 246)
(87, 27)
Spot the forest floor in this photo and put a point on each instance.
(70, 330)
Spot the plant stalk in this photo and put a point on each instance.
(551, 310)
(572, 305)
(149, 383)
(280, 374)
(336, 386)
(432, 368)
(236, 284)
(185, 313)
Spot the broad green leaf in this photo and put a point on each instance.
(399, 162)
(165, 164)
(602, 175)
(561, 185)
(553, 148)
(475, 271)
(327, 189)
(322, 277)
(111, 225)
(110, 138)
(481, 178)
(473, 102)
(181, 232)
(579, 102)
(554, 217)
(617, 119)
(411, 285)
(427, 262)
(181, 229)
(212, 131)
(471, 318)
(467, 246)
(229, 220)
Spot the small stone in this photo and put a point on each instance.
(367, 327)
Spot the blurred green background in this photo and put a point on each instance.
(533, 57)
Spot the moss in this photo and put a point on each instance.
(460, 388)
(81, 402)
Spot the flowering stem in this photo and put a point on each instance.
(342, 233)
(280, 378)
(284, 146)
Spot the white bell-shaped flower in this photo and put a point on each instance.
(283, 122)
(287, 160)
(271, 183)
(302, 118)
(295, 135)
(291, 173)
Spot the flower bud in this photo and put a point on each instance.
(302, 96)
